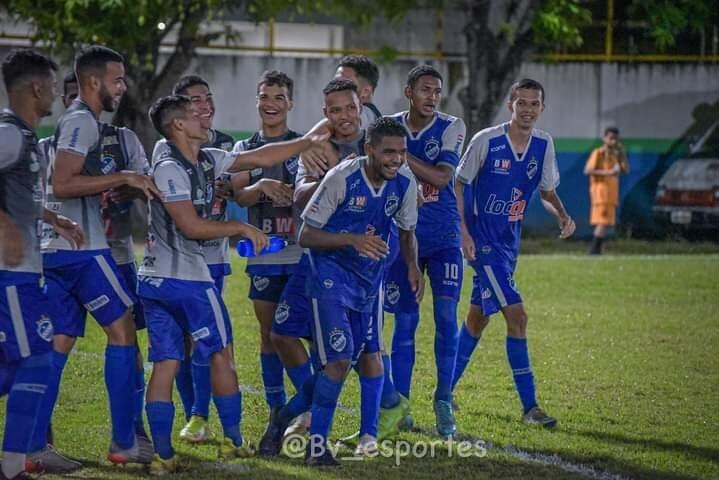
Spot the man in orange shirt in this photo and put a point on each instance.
(604, 166)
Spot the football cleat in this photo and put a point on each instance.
(141, 452)
(197, 430)
(49, 460)
(227, 449)
(445, 422)
(390, 419)
(537, 416)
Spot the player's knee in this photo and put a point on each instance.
(370, 365)
(476, 322)
(222, 360)
(122, 331)
(63, 343)
(337, 370)
(517, 325)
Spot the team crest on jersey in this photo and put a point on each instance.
(282, 313)
(209, 191)
(107, 165)
(328, 283)
(502, 166)
(199, 197)
(292, 164)
(260, 283)
(44, 328)
(392, 294)
(34, 164)
(391, 205)
(206, 166)
(358, 203)
(532, 167)
(516, 194)
(338, 340)
(431, 148)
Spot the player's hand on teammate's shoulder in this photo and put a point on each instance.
(259, 240)
(567, 227)
(278, 192)
(371, 246)
(143, 183)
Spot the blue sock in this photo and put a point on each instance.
(302, 401)
(445, 346)
(518, 357)
(299, 374)
(229, 409)
(184, 384)
(390, 395)
(26, 394)
(201, 385)
(370, 395)
(405, 327)
(139, 398)
(160, 416)
(120, 361)
(273, 379)
(324, 404)
(47, 405)
(467, 344)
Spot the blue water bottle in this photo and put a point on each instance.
(246, 249)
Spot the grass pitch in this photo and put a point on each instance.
(624, 350)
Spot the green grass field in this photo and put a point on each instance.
(625, 353)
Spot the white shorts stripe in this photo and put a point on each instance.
(320, 340)
(495, 286)
(18, 324)
(114, 282)
(217, 312)
(380, 317)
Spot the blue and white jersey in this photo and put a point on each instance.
(502, 183)
(346, 202)
(439, 143)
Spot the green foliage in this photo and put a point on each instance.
(668, 18)
(560, 23)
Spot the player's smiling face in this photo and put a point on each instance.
(193, 124)
(113, 86)
(202, 101)
(387, 156)
(526, 106)
(425, 96)
(273, 103)
(342, 109)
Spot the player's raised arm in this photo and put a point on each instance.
(274, 153)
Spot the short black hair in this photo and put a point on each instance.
(384, 127)
(24, 63)
(275, 77)
(363, 66)
(166, 109)
(94, 59)
(69, 78)
(420, 71)
(526, 83)
(339, 85)
(611, 129)
(186, 82)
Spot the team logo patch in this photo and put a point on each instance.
(171, 186)
(282, 313)
(532, 167)
(431, 148)
(328, 283)
(204, 332)
(260, 283)
(512, 283)
(199, 197)
(392, 295)
(292, 165)
(486, 294)
(206, 166)
(338, 340)
(391, 205)
(99, 302)
(34, 164)
(44, 328)
(108, 165)
(486, 249)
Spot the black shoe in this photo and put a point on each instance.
(319, 459)
(271, 442)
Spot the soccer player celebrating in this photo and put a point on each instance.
(88, 280)
(193, 378)
(346, 227)
(434, 143)
(176, 288)
(504, 165)
(365, 74)
(25, 313)
(268, 195)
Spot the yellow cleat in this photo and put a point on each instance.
(160, 467)
(390, 419)
(227, 450)
(197, 430)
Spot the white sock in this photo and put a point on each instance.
(13, 464)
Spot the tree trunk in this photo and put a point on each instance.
(498, 37)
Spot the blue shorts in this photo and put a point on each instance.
(445, 269)
(129, 274)
(268, 288)
(493, 288)
(94, 285)
(293, 313)
(174, 308)
(218, 272)
(25, 326)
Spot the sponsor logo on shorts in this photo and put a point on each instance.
(393, 293)
(328, 283)
(391, 205)
(44, 328)
(282, 313)
(338, 340)
(260, 283)
(512, 283)
(486, 249)
(99, 302)
(204, 332)
(486, 294)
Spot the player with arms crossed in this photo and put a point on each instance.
(505, 165)
(434, 143)
(176, 288)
